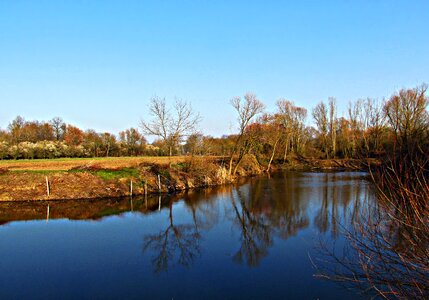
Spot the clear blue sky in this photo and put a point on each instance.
(97, 63)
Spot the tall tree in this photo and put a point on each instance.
(333, 125)
(171, 127)
(92, 142)
(273, 134)
(320, 115)
(73, 136)
(133, 141)
(407, 115)
(15, 129)
(247, 109)
(59, 128)
(284, 108)
(109, 142)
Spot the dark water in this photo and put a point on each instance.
(257, 240)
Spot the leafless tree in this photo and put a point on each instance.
(247, 109)
(59, 128)
(15, 129)
(109, 141)
(272, 134)
(355, 113)
(407, 115)
(292, 118)
(285, 117)
(320, 115)
(333, 125)
(170, 127)
(367, 125)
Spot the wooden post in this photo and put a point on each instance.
(131, 188)
(159, 202)
(47, 186)
(159, 183)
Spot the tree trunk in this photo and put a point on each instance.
(272, 155)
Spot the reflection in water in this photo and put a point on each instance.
(180, 242)
(262, 210)
(255, 232)
(220, 231)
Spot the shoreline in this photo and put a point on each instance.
(93, 181)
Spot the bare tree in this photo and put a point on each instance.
(332, 125)
(298, 128)
(320, 115)
(273, 134)
(132, 141)
(109, 141)
(367, 124)
(15, 129)
(292, 119)
(247, 110)
(59, 128)
(286, 119)
(407, 115)
(170, 127)
(355, 113)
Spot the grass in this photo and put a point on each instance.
(65, 164)
(116, 174)
(106, 174)
(43, 172)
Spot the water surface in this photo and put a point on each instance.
(260, 239)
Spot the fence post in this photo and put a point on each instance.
(47, 186)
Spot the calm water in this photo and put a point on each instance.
(255, 240)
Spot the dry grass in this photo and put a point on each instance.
(65, 164)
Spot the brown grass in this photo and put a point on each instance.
(66, 164)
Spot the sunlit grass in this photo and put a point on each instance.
(116, 174)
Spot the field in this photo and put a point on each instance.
(65, 164)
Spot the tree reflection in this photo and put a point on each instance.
(283, 204)
(175, 244)
(255, 232)
(203, 207)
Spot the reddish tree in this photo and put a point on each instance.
(73, 136)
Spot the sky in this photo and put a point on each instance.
(96, 64)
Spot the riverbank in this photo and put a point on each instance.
(118, 177)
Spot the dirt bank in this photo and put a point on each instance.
(94, 180)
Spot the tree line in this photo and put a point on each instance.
(370, 128)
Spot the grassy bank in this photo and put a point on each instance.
(113, 177)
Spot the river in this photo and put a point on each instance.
(263, 238)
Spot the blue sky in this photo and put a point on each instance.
(97, 63)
